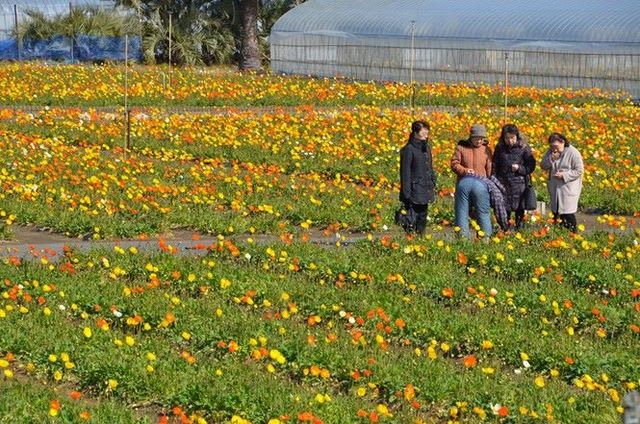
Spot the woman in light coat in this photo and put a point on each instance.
(565, 167)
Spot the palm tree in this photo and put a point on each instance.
(208, 31)
(197, 37)
(252, 28)
(249, 47)
(36, 26)
(80, 20)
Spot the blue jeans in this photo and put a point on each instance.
(471, 191)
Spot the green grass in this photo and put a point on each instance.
(300, 303)
(29, 401)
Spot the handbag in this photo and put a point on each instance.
(405, 218)
(529, 196)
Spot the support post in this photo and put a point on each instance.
(411, 65)
(18, 39)
(72, 35)
(506, 84)
(170, 46)
(127, 112)
(127, 138)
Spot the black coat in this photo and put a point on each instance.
(514, 182)
(417, 177)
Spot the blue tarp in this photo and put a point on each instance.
(56, 48)
(106, 48)
(85, 48)
(8, 49)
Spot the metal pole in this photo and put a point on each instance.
(127, 115)
(140, 28)
(170, 71)
(126, 71)
(128, 134)
(18, 40)
(411, 64)
(506, 84)
(72, 35)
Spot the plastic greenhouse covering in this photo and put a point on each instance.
(81, 48)
(549, 43)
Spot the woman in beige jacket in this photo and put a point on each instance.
(565, 167)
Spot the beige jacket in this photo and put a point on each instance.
(564, 193)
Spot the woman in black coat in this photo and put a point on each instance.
(417, 177)
(513, 164)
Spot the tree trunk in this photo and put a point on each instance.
(249, 49)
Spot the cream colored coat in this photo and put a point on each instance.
(564, 192)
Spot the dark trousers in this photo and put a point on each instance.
(420, 212)
(519, 217)
(568, 220)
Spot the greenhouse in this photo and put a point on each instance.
(17, 44)
(546, 43)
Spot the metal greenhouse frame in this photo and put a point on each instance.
(547, 43)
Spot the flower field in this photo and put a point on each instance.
(219, 173)
(269, 327)
(38, 84)
(387, 330)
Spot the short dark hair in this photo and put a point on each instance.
(558, 137)
(418, 125)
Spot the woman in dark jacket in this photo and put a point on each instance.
(417, 177)
(513, 163)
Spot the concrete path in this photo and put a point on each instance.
(32, 244)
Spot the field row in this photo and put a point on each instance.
(65, 169)
(47, 84)
(538, 326)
